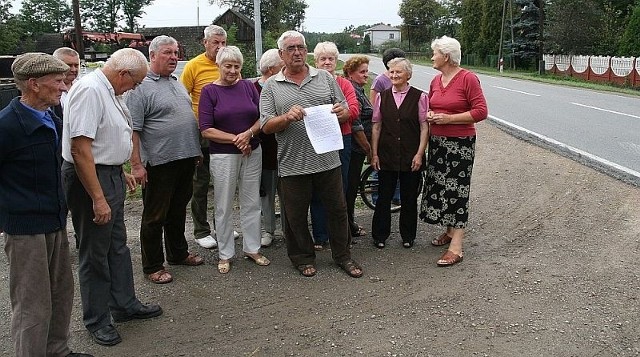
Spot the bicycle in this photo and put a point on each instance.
(368, 189)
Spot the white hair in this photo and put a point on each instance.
(269, 59)
(325, 48)
(448, 46)
(160, 41)
(290, 34)
(127, 59)
(213, 30)
(229, 54)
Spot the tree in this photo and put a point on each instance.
(277, 15)
(421, 18)
(526, 30)
(573, 26)
(133, 10)
(101, 16)
(9, 28)
(630, 43)
(45, 16)
(366, 44)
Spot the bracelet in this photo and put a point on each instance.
(251, 130)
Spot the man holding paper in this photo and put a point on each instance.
(305, 165)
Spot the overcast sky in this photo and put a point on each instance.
(322, 15)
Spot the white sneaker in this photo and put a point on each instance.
(266, 240)
(236, 235)
(207, 242)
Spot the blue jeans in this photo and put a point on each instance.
(318, 213)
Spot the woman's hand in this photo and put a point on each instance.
(416, 162)
(439, 118)
(242, 140)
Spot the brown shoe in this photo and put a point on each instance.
(160, 277)
(190, 260)
(449, 258)
(444, 239)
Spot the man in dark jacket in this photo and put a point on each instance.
(33, 210)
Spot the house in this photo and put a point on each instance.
(382, 33)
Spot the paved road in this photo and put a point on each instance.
(600, 129)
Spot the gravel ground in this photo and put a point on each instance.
(550, 269)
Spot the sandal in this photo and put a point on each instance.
(360, 232)
(408, 244)
(444, 239)
(321, 246)
(160, 277)
(224, 266)
(352, 268)
(379, 245)
(258, 259)
(190, 260)
(449, 258)
(307, 270)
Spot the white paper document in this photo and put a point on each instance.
(323, 129)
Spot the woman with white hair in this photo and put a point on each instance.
(228, 114)
(398, 141)
(326, 57)
(456, 104)
(270, 64)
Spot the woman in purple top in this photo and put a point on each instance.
(228, 113)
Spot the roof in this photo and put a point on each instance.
(382, 27)
(239, 15)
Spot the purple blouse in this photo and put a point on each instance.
(232, 109)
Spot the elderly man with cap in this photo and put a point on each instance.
(96, 142)
(33, 210)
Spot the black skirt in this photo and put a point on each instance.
(445, 195)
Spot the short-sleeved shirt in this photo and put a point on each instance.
(94, 111)
(232, 109)
(381, 83)
(161, 111)
(196, 74)
(296, 155)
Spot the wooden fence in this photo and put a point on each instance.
(623, 71)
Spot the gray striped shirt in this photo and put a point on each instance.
(295, 152)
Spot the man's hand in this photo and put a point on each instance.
(296, 113)
(101, 211)
(132, 182)
(139, 174)
(341, 112)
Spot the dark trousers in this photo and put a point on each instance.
(353, 186)
(381, 225)
(41, 290)
(201, 181)
(296, 195)
(165, 198)
(104, 271)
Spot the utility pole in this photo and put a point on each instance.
(257, 24)
(500, 59)
(541, 42)
(77, 22)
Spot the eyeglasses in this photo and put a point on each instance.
(135, 84)
(292, 49)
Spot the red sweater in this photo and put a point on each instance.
(352, 101)
(462, 94)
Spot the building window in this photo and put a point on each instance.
(391, 36)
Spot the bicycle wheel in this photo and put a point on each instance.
(369, 189)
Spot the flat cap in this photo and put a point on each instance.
(36, 65)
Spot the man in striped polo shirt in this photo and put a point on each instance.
(302, 171)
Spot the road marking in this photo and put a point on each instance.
(606, 110)
(517, 91)
(575, 151)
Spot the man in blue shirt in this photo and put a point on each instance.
(33, 210)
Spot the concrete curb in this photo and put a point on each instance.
(610, 168)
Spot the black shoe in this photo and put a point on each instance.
(79, 355)
(106, 336)
(146, 312)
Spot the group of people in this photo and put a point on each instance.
(63, 144)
